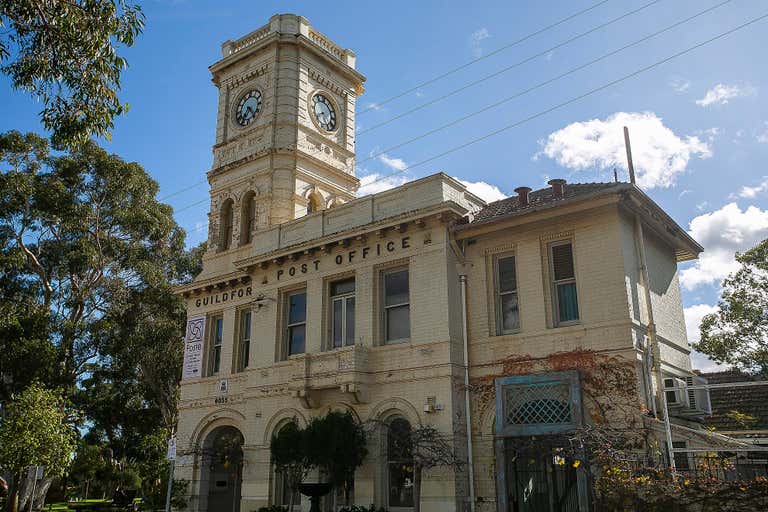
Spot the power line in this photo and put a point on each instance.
(541, 84)
(572, 100)
(196, 184)
(443, 75)
(494, 52)
(506, 69)
(567, 102)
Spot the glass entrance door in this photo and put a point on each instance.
(537, 482)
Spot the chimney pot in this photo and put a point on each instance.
(558, 187)
(522, 195)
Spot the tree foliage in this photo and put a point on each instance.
(34, 432)
(88, 259)
(334, 444)
(737, 333)
(64, 52)
(79, 233)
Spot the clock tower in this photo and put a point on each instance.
(285, 131)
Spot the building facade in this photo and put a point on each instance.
(389, 305)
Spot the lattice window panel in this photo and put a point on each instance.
(546, 403)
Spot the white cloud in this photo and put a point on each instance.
(398, 164)
(763, 137)
(721, 93)
(750, 192)
(374, 106)
(693, 316)
(659, 154)
(722, 233)
(702, 362)
(483, 190)
(476, 39)
(680, 84)
(375, 182)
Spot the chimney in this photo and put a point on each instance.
(558, 187)
(522, 195)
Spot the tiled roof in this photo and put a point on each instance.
(752, 400)
(544, 197)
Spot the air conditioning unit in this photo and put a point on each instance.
(676, 392)
(698, 399)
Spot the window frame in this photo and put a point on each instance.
(383, 316)
(497, 294)
(555, 284)
(214, 349)
(344, 299)
(287, 326)
(243, 339)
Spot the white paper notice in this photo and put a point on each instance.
(193, 348)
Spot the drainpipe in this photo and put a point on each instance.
(468, 414)
(654, 342)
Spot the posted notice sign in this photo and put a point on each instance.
(171, 454)
(193, 348)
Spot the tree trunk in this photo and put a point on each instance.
(25, 489)
(41, 491)
(12, 505)
(416, 487)
(13, 500)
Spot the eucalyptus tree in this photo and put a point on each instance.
(64, 53)
(88, 258)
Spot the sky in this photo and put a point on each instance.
(543, 103)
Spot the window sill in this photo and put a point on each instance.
(341, 349)
(400, 341)
(506, 333)
(566, 324)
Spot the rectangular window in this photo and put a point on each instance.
(296, 305)
(564, 299)
(343, 313)
(244, 341)
(217, 336)
(397, 308)
(507, 311)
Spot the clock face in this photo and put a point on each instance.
(323, 110)
(248, 107)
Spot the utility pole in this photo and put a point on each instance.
(171, 457)
(651, 327)
(630, 165)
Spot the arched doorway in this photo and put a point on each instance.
(222, 469)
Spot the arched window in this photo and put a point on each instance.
(399, 461)
(221, 469)
(282, 484)
(314, 203)
(225, 225)
(248, 218)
